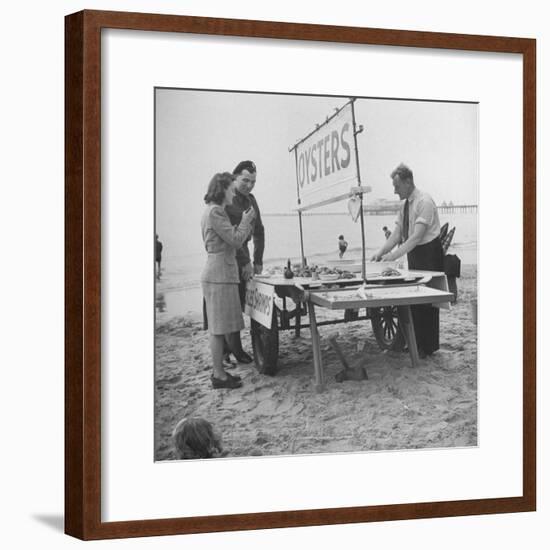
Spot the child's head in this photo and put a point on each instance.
(341, 237)
(196, 438)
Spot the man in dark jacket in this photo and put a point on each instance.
(245, 174)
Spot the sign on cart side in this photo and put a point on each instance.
(259, 302)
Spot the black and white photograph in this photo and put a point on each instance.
(181, 370)
(315, 266)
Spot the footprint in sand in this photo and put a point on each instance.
(183, 383)
(453, 418)
(267, 407)
(285, 405)
(233, 399)
(262, 394)
(274, 407)
(261, 439)
(168, 380)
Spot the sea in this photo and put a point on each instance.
(178, 290)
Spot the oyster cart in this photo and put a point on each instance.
(328, 171)
(386, 305)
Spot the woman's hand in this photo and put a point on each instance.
(249, 215)
(246, 272)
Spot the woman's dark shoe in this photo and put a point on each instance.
(229, 382)
(235, 376)
(243, 357)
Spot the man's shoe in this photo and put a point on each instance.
(230, 383)
(243, 357)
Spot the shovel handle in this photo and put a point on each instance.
(335, 346)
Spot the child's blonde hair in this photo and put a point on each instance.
(196, 438)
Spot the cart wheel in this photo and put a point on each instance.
(265, 345)
(385, 324)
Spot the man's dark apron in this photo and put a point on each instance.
(427, 256)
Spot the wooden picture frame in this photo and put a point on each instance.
(83, 274)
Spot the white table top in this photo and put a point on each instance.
(309, 282)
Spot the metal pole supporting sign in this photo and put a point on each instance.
(363, 251)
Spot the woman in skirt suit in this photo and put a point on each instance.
(220, 276)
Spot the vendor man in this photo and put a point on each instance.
(417, 235)
(245, 180)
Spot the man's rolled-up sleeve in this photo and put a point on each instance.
(425, 213)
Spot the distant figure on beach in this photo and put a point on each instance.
(387, 232)
(342, 245)
(243, 199)
(417, 235)
(220, 276)
(158, 255)
(160, 302)
(196, 438)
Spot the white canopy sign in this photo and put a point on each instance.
(326, 166)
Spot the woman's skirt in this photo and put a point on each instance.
(223, 307)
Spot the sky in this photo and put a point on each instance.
(199, 133)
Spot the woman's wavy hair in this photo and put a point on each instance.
(217, 187)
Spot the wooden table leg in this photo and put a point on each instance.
(298, 323)
(405, 318)
(315, 344)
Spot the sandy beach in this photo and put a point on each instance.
(398, 407)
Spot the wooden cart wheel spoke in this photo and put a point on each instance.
(390, 330)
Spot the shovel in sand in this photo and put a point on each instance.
(354, 372)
